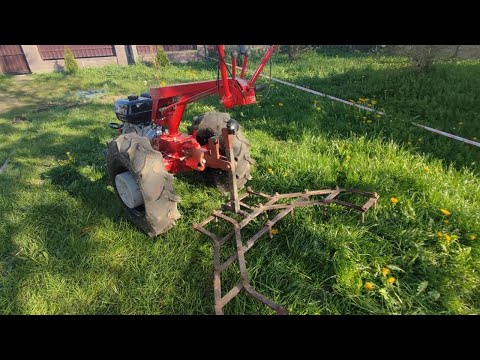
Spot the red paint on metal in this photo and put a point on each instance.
(264, 61)
(183, 153)
(244, 67)
(168, 106)
(174, 150)
(226, 98)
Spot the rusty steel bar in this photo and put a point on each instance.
(232, 174)
(246, 206)
(232, 293)
(217, 280)
(273, 305)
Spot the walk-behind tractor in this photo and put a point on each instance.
(141, 163)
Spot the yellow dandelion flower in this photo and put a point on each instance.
(472, 237)
(445, 212)
(427, 169)
(393, 200)
(440, 234)
(369, 286)
(318, 109)
(275, 231)
(285, 173)
(163, 83)
(270, 170)
(446, 221)
(348, 157)
(280, 104)
(391, 279)
(374, 102)
(385, 271)
(448, 237)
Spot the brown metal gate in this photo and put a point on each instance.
(53, 52)
(12, 60)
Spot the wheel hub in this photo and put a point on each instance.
(128, 190)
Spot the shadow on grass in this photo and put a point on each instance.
(420, 101)
(445, 98)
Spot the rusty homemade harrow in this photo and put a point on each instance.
(239, 207)
(249, 213)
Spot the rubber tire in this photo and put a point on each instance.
(130, 152)
(211, 124)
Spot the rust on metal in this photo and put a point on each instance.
(249, 213)
(232, 174)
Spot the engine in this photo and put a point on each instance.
(134, 110)
(148, 131)
(135, 113)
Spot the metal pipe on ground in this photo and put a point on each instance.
(451, 136)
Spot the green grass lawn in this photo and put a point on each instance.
(66, 248)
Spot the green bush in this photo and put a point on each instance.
(160, 62)
(71, 65)
(161, 59)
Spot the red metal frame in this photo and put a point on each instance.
(181, 152)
